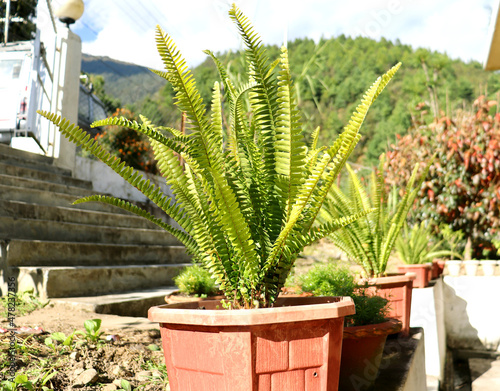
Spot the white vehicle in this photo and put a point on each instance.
(16, 61)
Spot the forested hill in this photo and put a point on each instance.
(331, 77)
(129, 83)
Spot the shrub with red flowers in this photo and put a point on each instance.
(463, 185)
(129, 145)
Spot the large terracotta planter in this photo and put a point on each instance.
(295, 346)
(422, 272)
(396, 288)
(362, 350)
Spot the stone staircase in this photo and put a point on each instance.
(92, 254)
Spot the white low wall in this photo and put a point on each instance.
(472, 312)
(427, 311)
(105, 180)
(458, 312)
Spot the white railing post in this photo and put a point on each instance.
(65, 93)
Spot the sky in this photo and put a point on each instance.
(125, 29)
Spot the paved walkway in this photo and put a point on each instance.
(490, 380)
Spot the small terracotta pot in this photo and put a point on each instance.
(440, 266)
(362, 350)
(422, 272)
(429, 272)
(295, 345)
(397, 289)
(435, 269)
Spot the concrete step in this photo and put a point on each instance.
(45, 253)
(28, 183)
(55, 282)
(48, 230)
(17, 157)
(48, 198)
(24, 210)
(47, 176)
(134, 303)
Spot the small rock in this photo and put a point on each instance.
(116, 370)
(75, 356)
(109, 387)
(143, 375)
(86, 377)
(78, 371)
(117, 382)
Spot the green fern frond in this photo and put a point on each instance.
(145, 129)
(386, 78)
(262, 98)
(290, 149)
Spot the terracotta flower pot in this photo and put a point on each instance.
(422, 272)
(294, 346)
(440, 266)
(397, 289)
(434, 269)
(429, 272)
(362, 350)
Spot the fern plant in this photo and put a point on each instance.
(414, 246)
(248, 192)
(369, 240)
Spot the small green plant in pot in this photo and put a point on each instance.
(417, 250)
(369, 241)
(365, 332)
(246, 200)
(416, 245)
(196, 281)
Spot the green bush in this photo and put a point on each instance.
(194, 280)
(328, 280)
(332, 280)
(463, 186)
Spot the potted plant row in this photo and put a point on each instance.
(370, 240)
(246, 201)
(365, 332)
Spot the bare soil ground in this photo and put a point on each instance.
(130, 349)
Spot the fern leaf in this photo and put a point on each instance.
(145, 129)
(290, 150)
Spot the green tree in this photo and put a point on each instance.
(23, 30)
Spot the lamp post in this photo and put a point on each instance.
(70, 11)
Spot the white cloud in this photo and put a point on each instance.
(125, 28)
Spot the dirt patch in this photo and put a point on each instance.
(129, 349)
